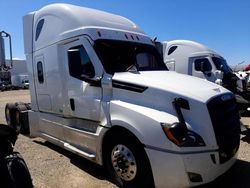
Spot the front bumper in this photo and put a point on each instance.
(171, 169)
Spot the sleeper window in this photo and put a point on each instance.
(39, 28)
(40, 72)
(172, 49)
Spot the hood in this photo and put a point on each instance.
(174, 83)
(156, 90)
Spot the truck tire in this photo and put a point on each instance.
(127, 163)
(10, 114)
(14, 172)
(21, 107)
(13, 116)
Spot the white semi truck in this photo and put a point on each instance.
(100, 89)
(195, 59)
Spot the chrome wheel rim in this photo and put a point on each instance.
(123, 162)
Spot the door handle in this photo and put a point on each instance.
(72, 104)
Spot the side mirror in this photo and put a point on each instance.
(219, 74)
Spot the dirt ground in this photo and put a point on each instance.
(53, 167)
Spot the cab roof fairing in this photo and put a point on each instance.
(62, 19)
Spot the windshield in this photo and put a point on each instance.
(222, 65)
(120, 56)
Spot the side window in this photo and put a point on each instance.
(202, 65)
(80, 65)
(39, 28)
(40, 72)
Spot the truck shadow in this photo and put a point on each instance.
(236, 177)
(87, 166)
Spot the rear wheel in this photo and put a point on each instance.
(10, 114)
(14, 118)
(127, 162)
(21, 107)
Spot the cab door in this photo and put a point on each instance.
(201, 67)
(83, 70)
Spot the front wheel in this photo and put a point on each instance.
(127, 163)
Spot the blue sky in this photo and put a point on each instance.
(223, 25)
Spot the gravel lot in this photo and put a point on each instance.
(52, 167)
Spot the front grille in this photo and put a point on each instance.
(226, 123)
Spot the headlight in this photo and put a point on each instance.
(181, 136)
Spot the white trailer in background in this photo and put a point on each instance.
(100, 89)
(20, 81)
